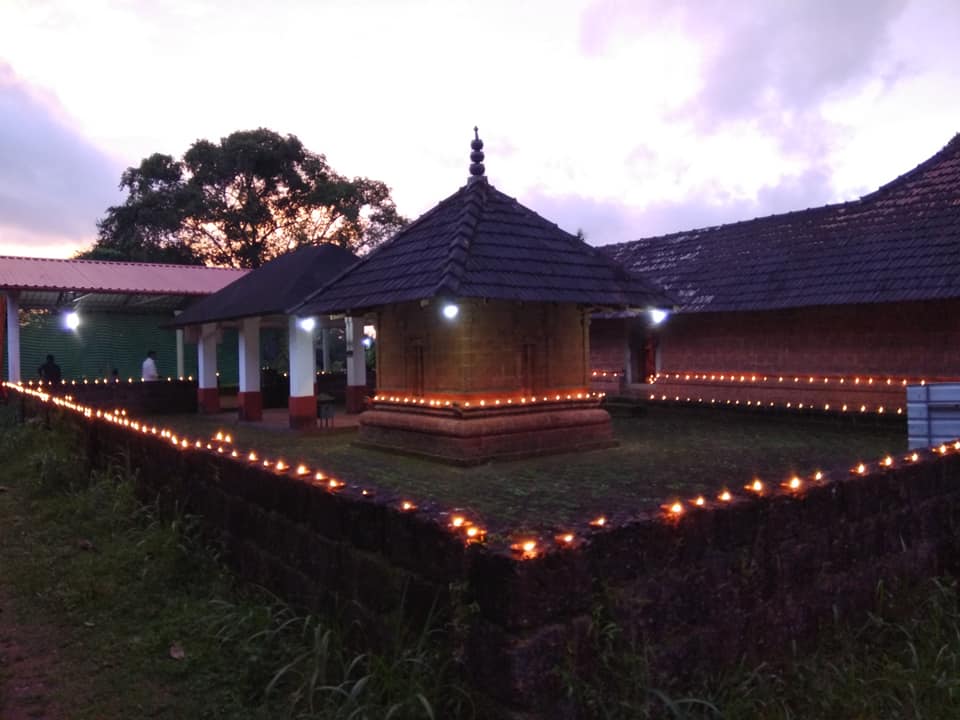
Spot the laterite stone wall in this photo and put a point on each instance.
(914, 340)
(730, 580)
(911, 339)
(480, 352)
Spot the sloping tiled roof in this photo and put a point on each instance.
(281, 283)
(101, 276)
(481, 243)
(899, 243)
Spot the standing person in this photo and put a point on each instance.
(49, 371)
(149, 370)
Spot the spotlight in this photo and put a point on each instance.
(71, 320)
(307, 324)
(367, 341)
(450, 311)
(657, 316)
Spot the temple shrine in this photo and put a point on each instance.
(482, 311)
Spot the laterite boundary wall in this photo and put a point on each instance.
(700, 588)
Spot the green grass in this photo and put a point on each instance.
(118, 589)
(903, 663)
(666, 453)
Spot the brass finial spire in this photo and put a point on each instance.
(476, 158)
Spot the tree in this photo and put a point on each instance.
(240, 203)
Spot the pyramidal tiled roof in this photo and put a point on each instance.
(899, 243)
(271, 289)
(480, 243)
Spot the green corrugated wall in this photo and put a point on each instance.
(112, 340)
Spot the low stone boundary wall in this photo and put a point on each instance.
(699, 585)
(150, 398)
(706, 586)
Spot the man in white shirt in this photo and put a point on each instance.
(149, 370)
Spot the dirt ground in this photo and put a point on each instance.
(29, 662)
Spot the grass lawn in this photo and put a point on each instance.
(665, 453)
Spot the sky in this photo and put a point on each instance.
(620, 118)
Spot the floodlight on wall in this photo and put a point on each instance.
(450, 311)
(657, 316)
(307, 324)
(71, 320)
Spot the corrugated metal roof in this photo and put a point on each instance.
(101, 276)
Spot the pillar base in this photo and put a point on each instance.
(208, 400)
(250, 405)
(303, 411)
(356, 399)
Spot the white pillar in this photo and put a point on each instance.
(356, 365)
(208, 396)
(13, 336)
(207, 357)
(302, 403)
(302, 360)
(249, 351)
(325, 347)
(180, 371)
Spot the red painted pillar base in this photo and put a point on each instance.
(303, 411)
(356, 397)
(208, 400)
(250, 405)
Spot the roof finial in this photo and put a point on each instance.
(476, 158)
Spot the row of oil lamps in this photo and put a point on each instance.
(129, 380)
(486, 402)
(796, 379)
(526, 548)
(826, 407)
(222, 444)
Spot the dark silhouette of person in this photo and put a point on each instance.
(50, 371)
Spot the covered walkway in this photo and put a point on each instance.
(71, 291)
(261, 300)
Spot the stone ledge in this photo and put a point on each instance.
(474, 440)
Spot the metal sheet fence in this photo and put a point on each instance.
(933, 414)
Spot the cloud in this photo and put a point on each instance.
(785, 58)
(607, 221)
(54, 183)
(761, 59)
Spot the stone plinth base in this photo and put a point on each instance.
(250, 405)
(208, 400)
(473, 438)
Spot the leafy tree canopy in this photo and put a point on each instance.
(240, 203)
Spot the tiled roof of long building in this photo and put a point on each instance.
(271, 289)
(899, 243)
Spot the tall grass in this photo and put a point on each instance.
(902, 662)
